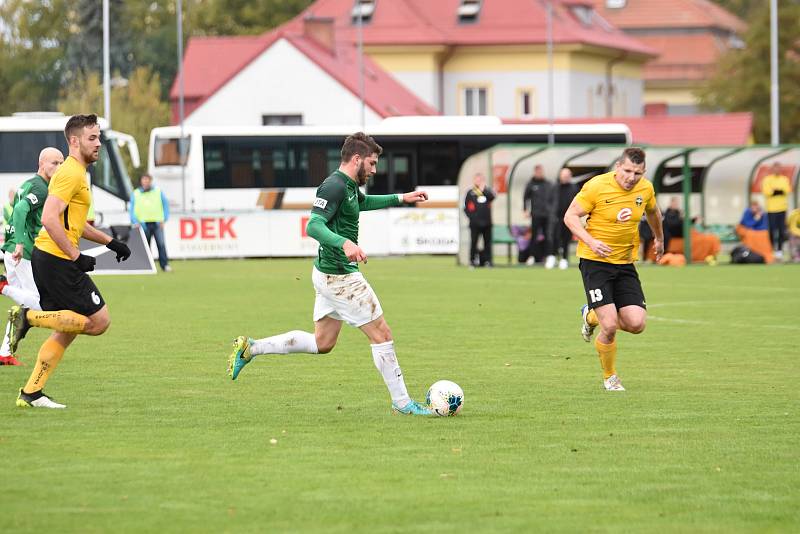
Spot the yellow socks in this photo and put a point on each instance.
(49, 356)
(65, 321)
(591, 318)
(608, 356)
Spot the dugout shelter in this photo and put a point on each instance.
(715, 183)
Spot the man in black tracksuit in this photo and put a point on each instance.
(478, 207)
(537, 205)
(564, 192)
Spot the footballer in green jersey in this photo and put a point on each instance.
(342, 292)
(24, 226)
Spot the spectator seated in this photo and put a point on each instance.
(703, 246)
(753, 231)
(757, 241)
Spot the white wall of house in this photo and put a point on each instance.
(572, 93)
(425, 85)
(281, 81)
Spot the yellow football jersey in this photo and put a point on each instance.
(69, 183)
(614, 216)
(776, 189)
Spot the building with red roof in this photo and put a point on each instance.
(457, 57)
(470, 57)
(296, 74)
(690, 37)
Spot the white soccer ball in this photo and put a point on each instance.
(445, 398)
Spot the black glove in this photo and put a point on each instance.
(85, 263)
(122, 250)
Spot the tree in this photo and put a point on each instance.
(31, 42)
(84, 51)
(240, 17)
(741, 8)
(742, 79)
(137, 107)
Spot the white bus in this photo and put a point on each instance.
(24, 135)
(249, 168)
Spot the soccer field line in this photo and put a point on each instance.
(699, 303)
(732, 325)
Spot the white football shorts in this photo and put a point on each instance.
(21, 274)
(345, 297)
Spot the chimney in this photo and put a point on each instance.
(321, 31)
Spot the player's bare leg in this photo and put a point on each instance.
(383, 354)
(326, 333)
(632, 319)
(606, 345)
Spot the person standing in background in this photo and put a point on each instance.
(478, 207)
(536, 203)
(150, 210)
(776, 188)
(564, 192)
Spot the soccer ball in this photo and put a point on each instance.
(445, 398)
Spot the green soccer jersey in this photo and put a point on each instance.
(337, 201)
(338, 204)
(26, 219)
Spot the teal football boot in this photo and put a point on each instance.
(412, 408)
(240, 356)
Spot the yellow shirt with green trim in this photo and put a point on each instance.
(776, 189)
(69, 183)
(614, 216)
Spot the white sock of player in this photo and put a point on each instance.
(386, 361)
(5, 350)
(290, 342)
(22, 297)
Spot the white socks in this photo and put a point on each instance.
(5, 350)
(290, 342)
(386, 361)
(22, 297)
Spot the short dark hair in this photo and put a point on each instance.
(361, 144)
(145, 175)
(76, 123)
(634, 154)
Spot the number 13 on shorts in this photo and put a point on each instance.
(595, 295)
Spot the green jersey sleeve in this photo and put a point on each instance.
(330, 194)
(37, 195)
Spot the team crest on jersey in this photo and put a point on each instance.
(624, 215)
(32, 198)
(320, 203)
(639, 201)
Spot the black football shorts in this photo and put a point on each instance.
(610, 283)
(62, 286)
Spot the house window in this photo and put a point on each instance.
(526, 103)
(584, 14)
(468, 11)
(475, 101)
(363, 9)
(281, 120)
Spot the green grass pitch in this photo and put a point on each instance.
(156, 438)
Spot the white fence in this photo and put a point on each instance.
(277, 233)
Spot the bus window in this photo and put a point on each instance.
(401, 169)
(108, 173)
(19, 151)
(439, 163)
(215, 166)
(166, 151)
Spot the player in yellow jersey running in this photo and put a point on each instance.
(70, 301)
(615, 203)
